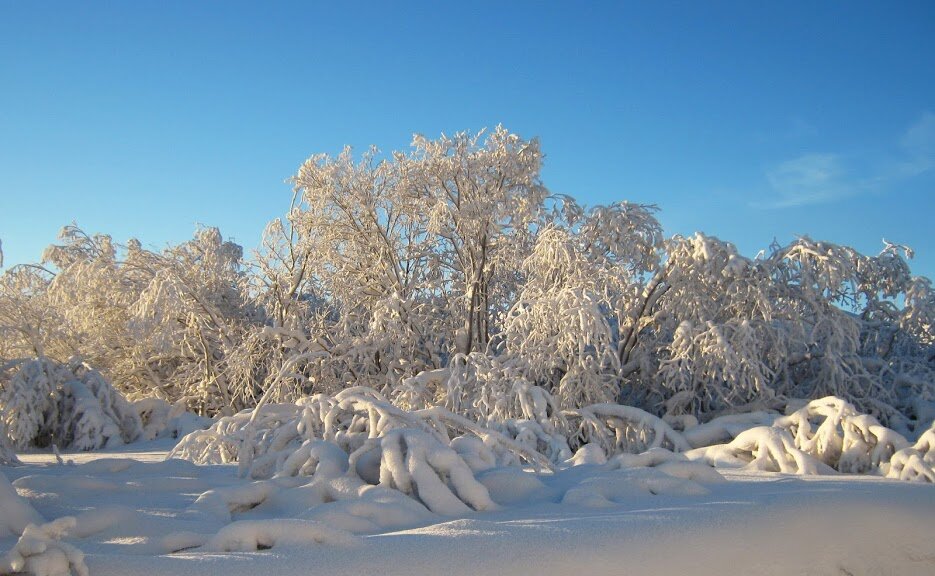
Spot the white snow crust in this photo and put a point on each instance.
(655, 512)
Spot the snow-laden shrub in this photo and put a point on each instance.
(68, 405)
(41, 552)
(817, 437)
(726, 428)
(917, 462)
(763, 449)
(477, 455)
(163, 420)
(419, 465)
(617, 428)
(357, 414)
(315, 458)
(832, 430)
(263, 439)
(267, 430)
(494, 393)
(359, 434)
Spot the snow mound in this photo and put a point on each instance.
(252, 535)
(67, 405)
(588, 454)
(614, 487)
(221, 503)
(369, 510)
(512, 485)
(40, 552)
(672, 463)
(15, 512)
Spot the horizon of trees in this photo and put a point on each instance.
(449, 274)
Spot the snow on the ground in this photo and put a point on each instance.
(135, 514)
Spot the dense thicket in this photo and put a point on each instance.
(449, 275)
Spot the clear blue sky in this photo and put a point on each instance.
(744, 120)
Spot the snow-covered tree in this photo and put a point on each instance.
(30, 326)
(485, 198)
(573, 309)
(191, 317)
(158, 323)
(369, 266)
(415, 255)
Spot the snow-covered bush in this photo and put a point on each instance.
(817, 437)
(263, 439)
(832, 430)
(273, 429)
(494, 393)
(419, 465)
(617, 428)
(161, 419)
(70, 405)
(762, 449)
(917, 462)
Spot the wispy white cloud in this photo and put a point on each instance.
(808, 179)
(820, 178)
(918, 143)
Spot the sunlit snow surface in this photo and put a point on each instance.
(132, 508)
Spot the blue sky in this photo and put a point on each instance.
(740, 119)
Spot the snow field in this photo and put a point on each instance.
(122, 516)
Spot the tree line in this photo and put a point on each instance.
(450, 273)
